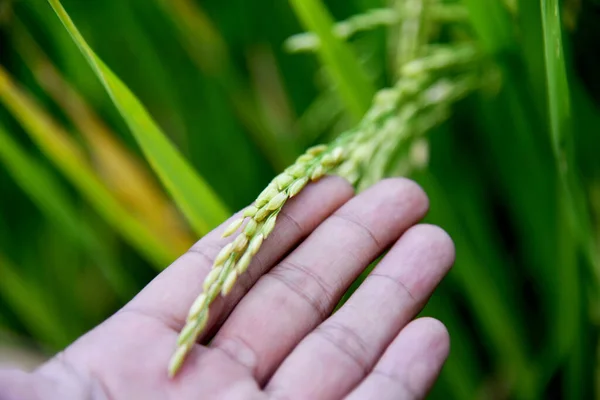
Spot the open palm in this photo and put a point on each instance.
(273, 336)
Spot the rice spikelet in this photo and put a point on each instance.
(256, 224)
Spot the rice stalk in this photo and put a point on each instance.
(373, 19)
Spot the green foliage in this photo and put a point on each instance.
(351, 82)
(198, 202)
(68, 158)
(51, 198)
(26, 300)
(215, 107)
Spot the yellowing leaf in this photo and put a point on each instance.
(124, 173)
(196, 199)
(64, 153)
(50, 197)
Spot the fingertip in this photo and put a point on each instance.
(435, 334)
(424, 345)
(410, 365)
(435, 241)
(406, 191)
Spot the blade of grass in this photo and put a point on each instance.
(352, 83)
(470, 201)
(28, 301)
(209, 51)
(524, 165)
(462, 370)
(58, 146)
(478, 287)
(319, 117)
(556, 78)
(532, 191)
(574, 218)
(200, 205)
(122, 171)
(46, 192)
(267, 83)
(532, 52)
(491, 21)
(167, 106)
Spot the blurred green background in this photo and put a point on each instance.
(514, 175)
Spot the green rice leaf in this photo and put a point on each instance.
(574, 218)
(28, 301)
(496, 319)
(556, 75)
(208, 49)
(196, 199)
(64, 153)
(491, 21)
(51, 198)
(355, 89)
(123, 172)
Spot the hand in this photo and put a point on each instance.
(272, 337)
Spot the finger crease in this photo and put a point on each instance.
(93, 385)
(348, 342)
(398, 283)
(293, 222)
(107, 394)
(199, 250)
(320, 303)
(171, 323)
(412, 394)
(239, 351)
(356, 222)
(248, 279)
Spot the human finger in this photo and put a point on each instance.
(409, 366)
(335, 357)
(302, 290)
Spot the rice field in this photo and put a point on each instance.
(129, 129)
